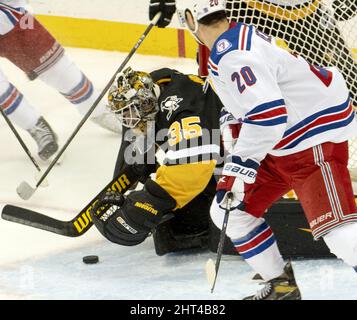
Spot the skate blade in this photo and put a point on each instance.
(25, 191)
(211, 273)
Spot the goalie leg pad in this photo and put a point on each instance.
(188, 229)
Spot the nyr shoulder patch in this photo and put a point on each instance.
(223, 46)
(170, 104)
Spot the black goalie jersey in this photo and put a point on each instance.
(187, 130)
(187, 126)
(188, 120)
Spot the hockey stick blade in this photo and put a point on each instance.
(211, 273)
(81, 223)
(39, 221)
(25, 191)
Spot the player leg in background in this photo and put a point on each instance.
(35, 51)
(23, 114)
(66, 78)
(327, 198)
(254, 239)
(16, 107)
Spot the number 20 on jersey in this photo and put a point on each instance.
(245, 78)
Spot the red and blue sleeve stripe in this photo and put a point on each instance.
(320, 122)
(268, 114)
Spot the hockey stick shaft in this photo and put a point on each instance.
(19, 139)
(81, 223)
(221, 242)
(86, 117)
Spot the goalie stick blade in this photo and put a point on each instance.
(211, 273)
(40, 221)
(82, 222)
(25, 191)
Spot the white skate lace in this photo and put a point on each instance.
(263, 293)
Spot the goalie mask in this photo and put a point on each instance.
(133, 99)
(198, 10)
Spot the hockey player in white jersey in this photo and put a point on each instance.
(29, 46)
(308, 27)
(295, 121)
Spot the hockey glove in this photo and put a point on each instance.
(166, 7)
(128, 221)
(230, 128)
(236, 174)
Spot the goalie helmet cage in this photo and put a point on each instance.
(322, 31)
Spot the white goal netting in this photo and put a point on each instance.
(323, 31)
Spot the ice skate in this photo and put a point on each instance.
(281, 288)
(45, 138)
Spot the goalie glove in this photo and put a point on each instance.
(129, 220)
(167, 9)
(236, 174)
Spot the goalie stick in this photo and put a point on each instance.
(211, 267)
(81, 223)
(25, 190)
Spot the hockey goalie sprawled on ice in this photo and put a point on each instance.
(169, 110)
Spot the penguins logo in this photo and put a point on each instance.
(171, 104)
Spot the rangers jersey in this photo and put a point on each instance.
(285, 104)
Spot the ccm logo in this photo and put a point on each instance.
(242, 171)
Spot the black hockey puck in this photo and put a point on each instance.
(91, 259)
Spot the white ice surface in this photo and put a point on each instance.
(38, 265)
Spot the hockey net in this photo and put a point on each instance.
(323, 31)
